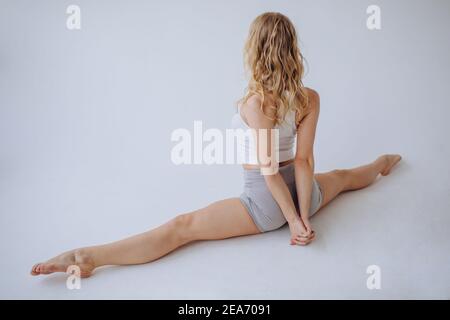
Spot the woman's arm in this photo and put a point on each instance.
(281, 194)
(304, 158)
(269, 168)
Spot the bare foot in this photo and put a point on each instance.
(60, 263)
(390, 161)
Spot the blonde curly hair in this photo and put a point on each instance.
(276, 65)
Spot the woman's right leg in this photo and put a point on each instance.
(222, 219)
(334, 182)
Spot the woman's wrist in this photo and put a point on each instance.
(293, 219)
(304, 216)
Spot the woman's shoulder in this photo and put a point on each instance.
(313, 104)
(254, 112)
(256, 103)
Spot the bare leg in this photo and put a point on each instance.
(220, 220)
(337, 181)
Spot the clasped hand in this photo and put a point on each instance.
(301, 232)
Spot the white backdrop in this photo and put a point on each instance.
(85, 123)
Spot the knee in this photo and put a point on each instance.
(342, 174)
(182, 227)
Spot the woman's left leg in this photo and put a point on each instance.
(222, 219)
(337, 181)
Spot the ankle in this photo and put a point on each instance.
(87, 255)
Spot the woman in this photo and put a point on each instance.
(275, 192)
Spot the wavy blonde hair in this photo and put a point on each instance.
(276, 65)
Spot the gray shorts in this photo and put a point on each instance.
(263, 208)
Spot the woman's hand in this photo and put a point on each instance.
(299, 233)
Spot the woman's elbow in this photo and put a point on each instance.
(307, 162)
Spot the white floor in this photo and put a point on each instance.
(85, 125)
(392, 224)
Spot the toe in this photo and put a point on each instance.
(391, 161)
(41, 268)
(34, 271)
